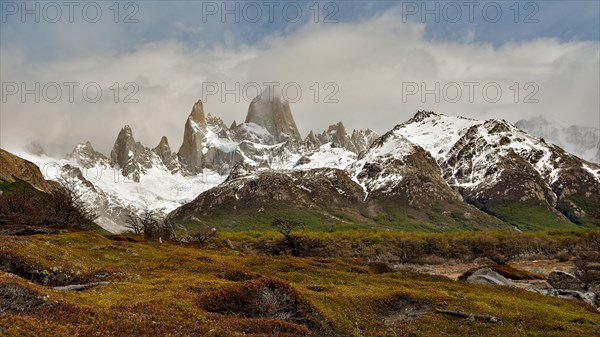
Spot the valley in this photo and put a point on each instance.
(228, 288)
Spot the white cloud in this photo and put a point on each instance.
(369, 60)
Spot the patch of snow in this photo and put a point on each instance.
(158, 189)
(224, 145)
(327, 157)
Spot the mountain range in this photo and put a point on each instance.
(583, 141)
(433, 172)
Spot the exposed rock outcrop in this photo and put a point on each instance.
(131, 157)
(194, 135)
(311, 142)
(275, 116)
(336, 134)
(362, 139)
(397, 174)
(563, 280)
(13, 168)
(488, 276)
(338, 137)
(168, 158)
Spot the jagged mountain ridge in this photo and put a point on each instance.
(421, 172)
(463, 167)
(393, 184)
(583, 141)
(493, 165)
(208, 152)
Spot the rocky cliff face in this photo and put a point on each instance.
(338, 137)
(207, 143)
(194, 135)
(167, 157)
(311, 142)
(131, 157)
(395, 168)
(336, 134)
(362, 139)
(110, 209)
(275, 116)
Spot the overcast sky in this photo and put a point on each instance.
(371, 62)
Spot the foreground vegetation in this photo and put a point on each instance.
(234, 286)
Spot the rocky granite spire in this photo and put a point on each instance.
(275, 116)
(197, 116)
(130, 156)
(311, 142)
(337, 135)
(362, 139)
(194, 135)
(124, 147)
(168, 158)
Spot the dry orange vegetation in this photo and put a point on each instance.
(174, 289)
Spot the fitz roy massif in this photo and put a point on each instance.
(432, 172)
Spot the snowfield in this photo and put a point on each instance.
(157, 190)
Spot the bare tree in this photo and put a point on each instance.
(151, 224)
(133, 222)
(286, 227)
(203, 235)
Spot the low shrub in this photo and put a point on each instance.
(238, 275)
(380, 268)
(18, 299)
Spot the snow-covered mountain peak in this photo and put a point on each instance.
(85, 155)
(430, 159)
(392, 143)
(493, 161)
(421, 115)
(130, 156)
(437, 133)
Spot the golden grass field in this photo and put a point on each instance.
(172, 289)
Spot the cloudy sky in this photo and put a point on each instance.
(370, 64)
